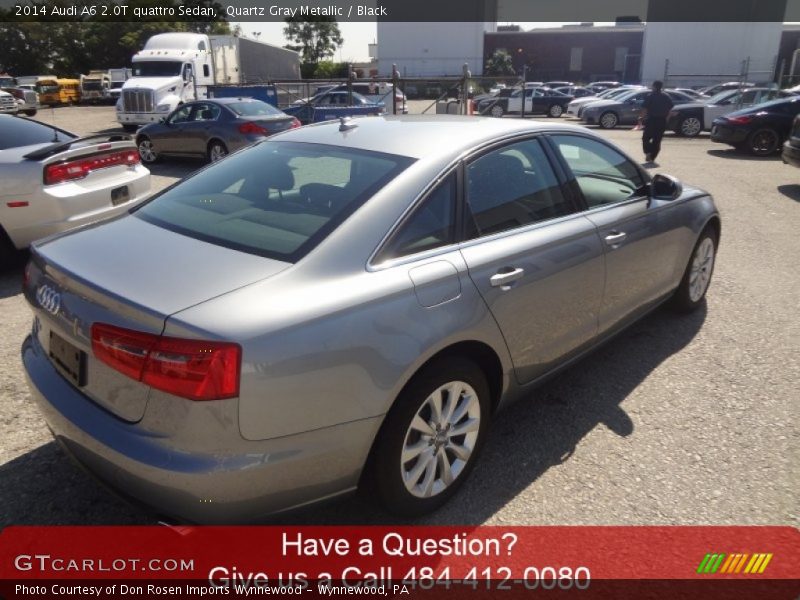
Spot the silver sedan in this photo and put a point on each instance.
(348, 304)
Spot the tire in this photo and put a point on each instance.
(692, 290)
(763, 142)
(147, 152)
(31, 112)
(608, 120)
(419, 484)
(216, 151)
(497, 111)
(555, 111)
(689, 127)
(10, 257)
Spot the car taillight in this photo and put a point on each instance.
(743, 120)
(295, 123)
(248, 128)
(80, 168)
(193, 369)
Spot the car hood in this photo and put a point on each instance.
(151, 83)
(152, 268)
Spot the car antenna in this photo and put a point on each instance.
(55, 129)
(346, 124)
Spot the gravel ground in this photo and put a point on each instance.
(679, 420)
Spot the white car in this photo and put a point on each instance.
(8, 104)
(52, 180)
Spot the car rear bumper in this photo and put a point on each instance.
(791, 154)
(65, 206)
(244, 484)
(728, 135)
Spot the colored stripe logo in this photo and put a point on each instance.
(748, 564)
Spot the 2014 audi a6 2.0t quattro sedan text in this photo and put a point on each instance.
(347, 304)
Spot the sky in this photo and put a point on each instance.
(356, 36)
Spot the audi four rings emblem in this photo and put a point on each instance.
(48, 299)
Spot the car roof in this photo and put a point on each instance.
(230, 100)
(419, 136)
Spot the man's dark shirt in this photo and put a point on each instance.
(658, 104)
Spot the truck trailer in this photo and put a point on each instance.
(174, 68)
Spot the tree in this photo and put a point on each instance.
(316, 38)
(499, 64)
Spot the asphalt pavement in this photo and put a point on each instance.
(679, 420)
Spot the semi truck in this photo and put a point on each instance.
(118, 78)
(95, 87)
(27, 101)
(174, 68)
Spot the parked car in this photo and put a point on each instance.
(600, 86)
(307, 316)
(8, 104)
(575, 108)
(624, 109)
(211, 128)
(558, 84)
(713, 90)
(759, 130)
(381, 92)
(304, 111)
(693, 93)
(53, 180)
(690, 119)
(538, 100)
(576, 91)
(791, 147)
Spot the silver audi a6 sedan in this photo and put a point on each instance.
(347, 303)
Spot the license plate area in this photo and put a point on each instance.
(68, 359)
(120, 195)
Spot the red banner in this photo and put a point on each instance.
(462, 562)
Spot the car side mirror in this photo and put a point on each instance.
(665, 187)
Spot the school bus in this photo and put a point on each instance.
(58, 91)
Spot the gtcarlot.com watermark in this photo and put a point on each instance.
(46, 563)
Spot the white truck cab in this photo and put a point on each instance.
(173, 68)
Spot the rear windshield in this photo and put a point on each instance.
(253, 109)
(16, 132)
(276, 199)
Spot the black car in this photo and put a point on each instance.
(791, 147)
(759, 129)
(211, 128)
(690, 119)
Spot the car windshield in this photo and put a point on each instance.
(716, 99)
(277, 199)
(253, 108)
(157, 68)
(15, 133)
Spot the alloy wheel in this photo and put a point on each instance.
(496, 111)
(217, 152)
(440, 439)
(691, 126)
(608, 120)
(556, 110)
(146, 151)
(702, 266)
(764, 142)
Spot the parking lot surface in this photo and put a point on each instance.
(679, 420)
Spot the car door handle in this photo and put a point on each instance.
(616, 237)
(504, 278)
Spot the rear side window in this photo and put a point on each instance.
(431, 225)
(16, 132)
(277, 199)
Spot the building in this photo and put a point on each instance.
(573, 52)
(431, 49)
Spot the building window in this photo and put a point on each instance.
(575, 59)
(619, 58)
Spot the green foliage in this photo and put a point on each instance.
(500, 63)
(69, 47)
(327, 69)
(316, 38)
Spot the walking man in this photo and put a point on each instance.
(655, 109)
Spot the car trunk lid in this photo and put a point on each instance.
(130, 274)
